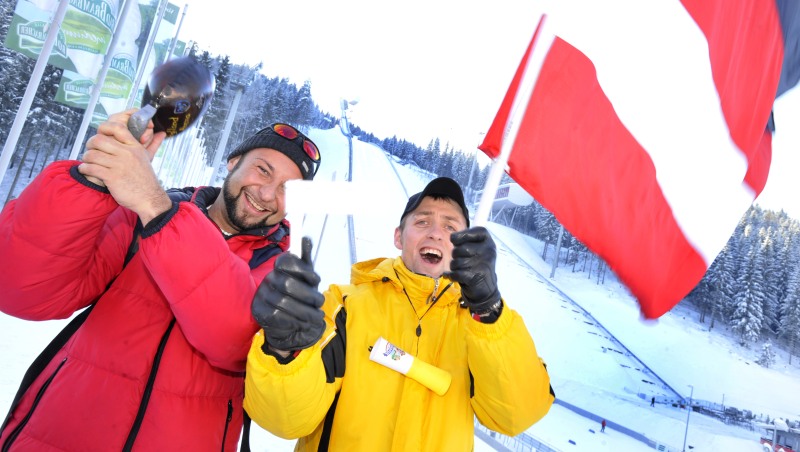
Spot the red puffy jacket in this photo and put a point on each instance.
(62, 241)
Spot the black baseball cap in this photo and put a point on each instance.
(441, 187)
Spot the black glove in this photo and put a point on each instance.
(287, 303)
(474, 256)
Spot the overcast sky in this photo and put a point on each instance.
(418, 70)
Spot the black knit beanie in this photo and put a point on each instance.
(267, 138)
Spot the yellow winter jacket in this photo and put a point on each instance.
(496, 372)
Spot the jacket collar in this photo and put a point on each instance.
(203, 197)
(420, 288)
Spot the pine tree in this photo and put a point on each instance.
(447, 160)
(14, 76)
(305, 108)
(724, 284)
(275, 108)
(547, 229)
(738, 262)
(702, 295)
(748, 318)
(390, 145)
(772, 274)
(767, 358)
(790, 313)
(213, 122)
(193, 50)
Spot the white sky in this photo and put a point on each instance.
(587, 368)
(419, 69)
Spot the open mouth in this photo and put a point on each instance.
(254, 203)
(430, 255)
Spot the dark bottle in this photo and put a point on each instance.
(177, 94)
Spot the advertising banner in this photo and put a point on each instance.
(75, 88)
(83, 38)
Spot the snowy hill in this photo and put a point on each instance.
(603, 361)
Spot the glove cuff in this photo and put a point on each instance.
(485, 304)
(489, 315)
(297, 340)
(281, 359)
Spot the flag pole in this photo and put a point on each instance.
(177, 32)
(542, 40)
(162, 8)
(77, 145)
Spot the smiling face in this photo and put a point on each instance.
(424, 236)
(253, 194)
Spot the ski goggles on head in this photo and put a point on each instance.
(287, 140)
(291, 134)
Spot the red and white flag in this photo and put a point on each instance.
(646, 133)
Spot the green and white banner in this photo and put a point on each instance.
(83, 38)
(75, 89)
(180, 47)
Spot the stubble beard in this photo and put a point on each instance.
(231, 202)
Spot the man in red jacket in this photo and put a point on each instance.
(158, 364)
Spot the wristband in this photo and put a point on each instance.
(489, 315)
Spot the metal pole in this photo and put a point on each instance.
(33, 84)
(146, 55)
(223, 141)
(518, 107)
(350, 226)
(688, 413)
(101, 77)
(558, 251)
(180, 166)
(177, 31)
(774, 435)
(471, 199)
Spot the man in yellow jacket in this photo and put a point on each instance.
(405, 356)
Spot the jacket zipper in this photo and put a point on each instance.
(227, 423)
(13, 436)
(137, 423)
(433, 297)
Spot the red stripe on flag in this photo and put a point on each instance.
(758, 170)
(606, 196)
(746, 73)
